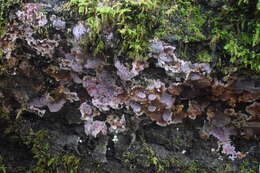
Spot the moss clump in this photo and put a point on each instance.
(3, 168)
(1, 54)
(133, 23)
(249, 166)
(47, 161)
(236, 29)
(204, 56)
(230, 30)
(185, 20)
(145, 157)
(4, 9)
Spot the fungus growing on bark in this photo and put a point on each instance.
(106, 86)
(173, 66)
(79, 29)
(54, 100)
(58, 74)
(154, 101)
(88, 112)
(32, 15)
(136, 107)
(93, 63)
(223, 135)
(57, 22)
(47, 100)
(167, 99)
(30, 18)
(93, 128)
(104, 91)
(73, 61)
(125, 74)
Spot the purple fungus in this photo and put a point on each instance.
(79, 30)
(155, 84)
(56, 106)
(152, 97)
(93, 128)
(156, 46)
(166, 58)
(136, 107)
(167, 99)
(151, 108)
(86, 112)
(141, 95)
(123, 72)
(58, 23)
(71, 96)
(85, 109)
(75, 78)
(223, 135)
(93, 63)
(31, 14)
(229, 150)
(167, 116)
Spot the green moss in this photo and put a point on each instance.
(193, 167)
(239, 33)
(145, 157)
(249, 166)
(3, 168)
(135, 22)
(232, 29)
(132, 22)
(4, 9)
(245, 166)
(5, 66)
(1, 54)
(47, 161)
(225, 168)
(186, 20)
(204, 56)
(4, 115)
(87, 170)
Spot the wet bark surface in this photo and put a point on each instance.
(59, 104)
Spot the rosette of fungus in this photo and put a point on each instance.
(154, 101)
(174, 66)
(87, 112)
(79, 30)
(32, 15)
(125, 74)
(93, 128)
(54, 100)
(57, 22)
(104, 91)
